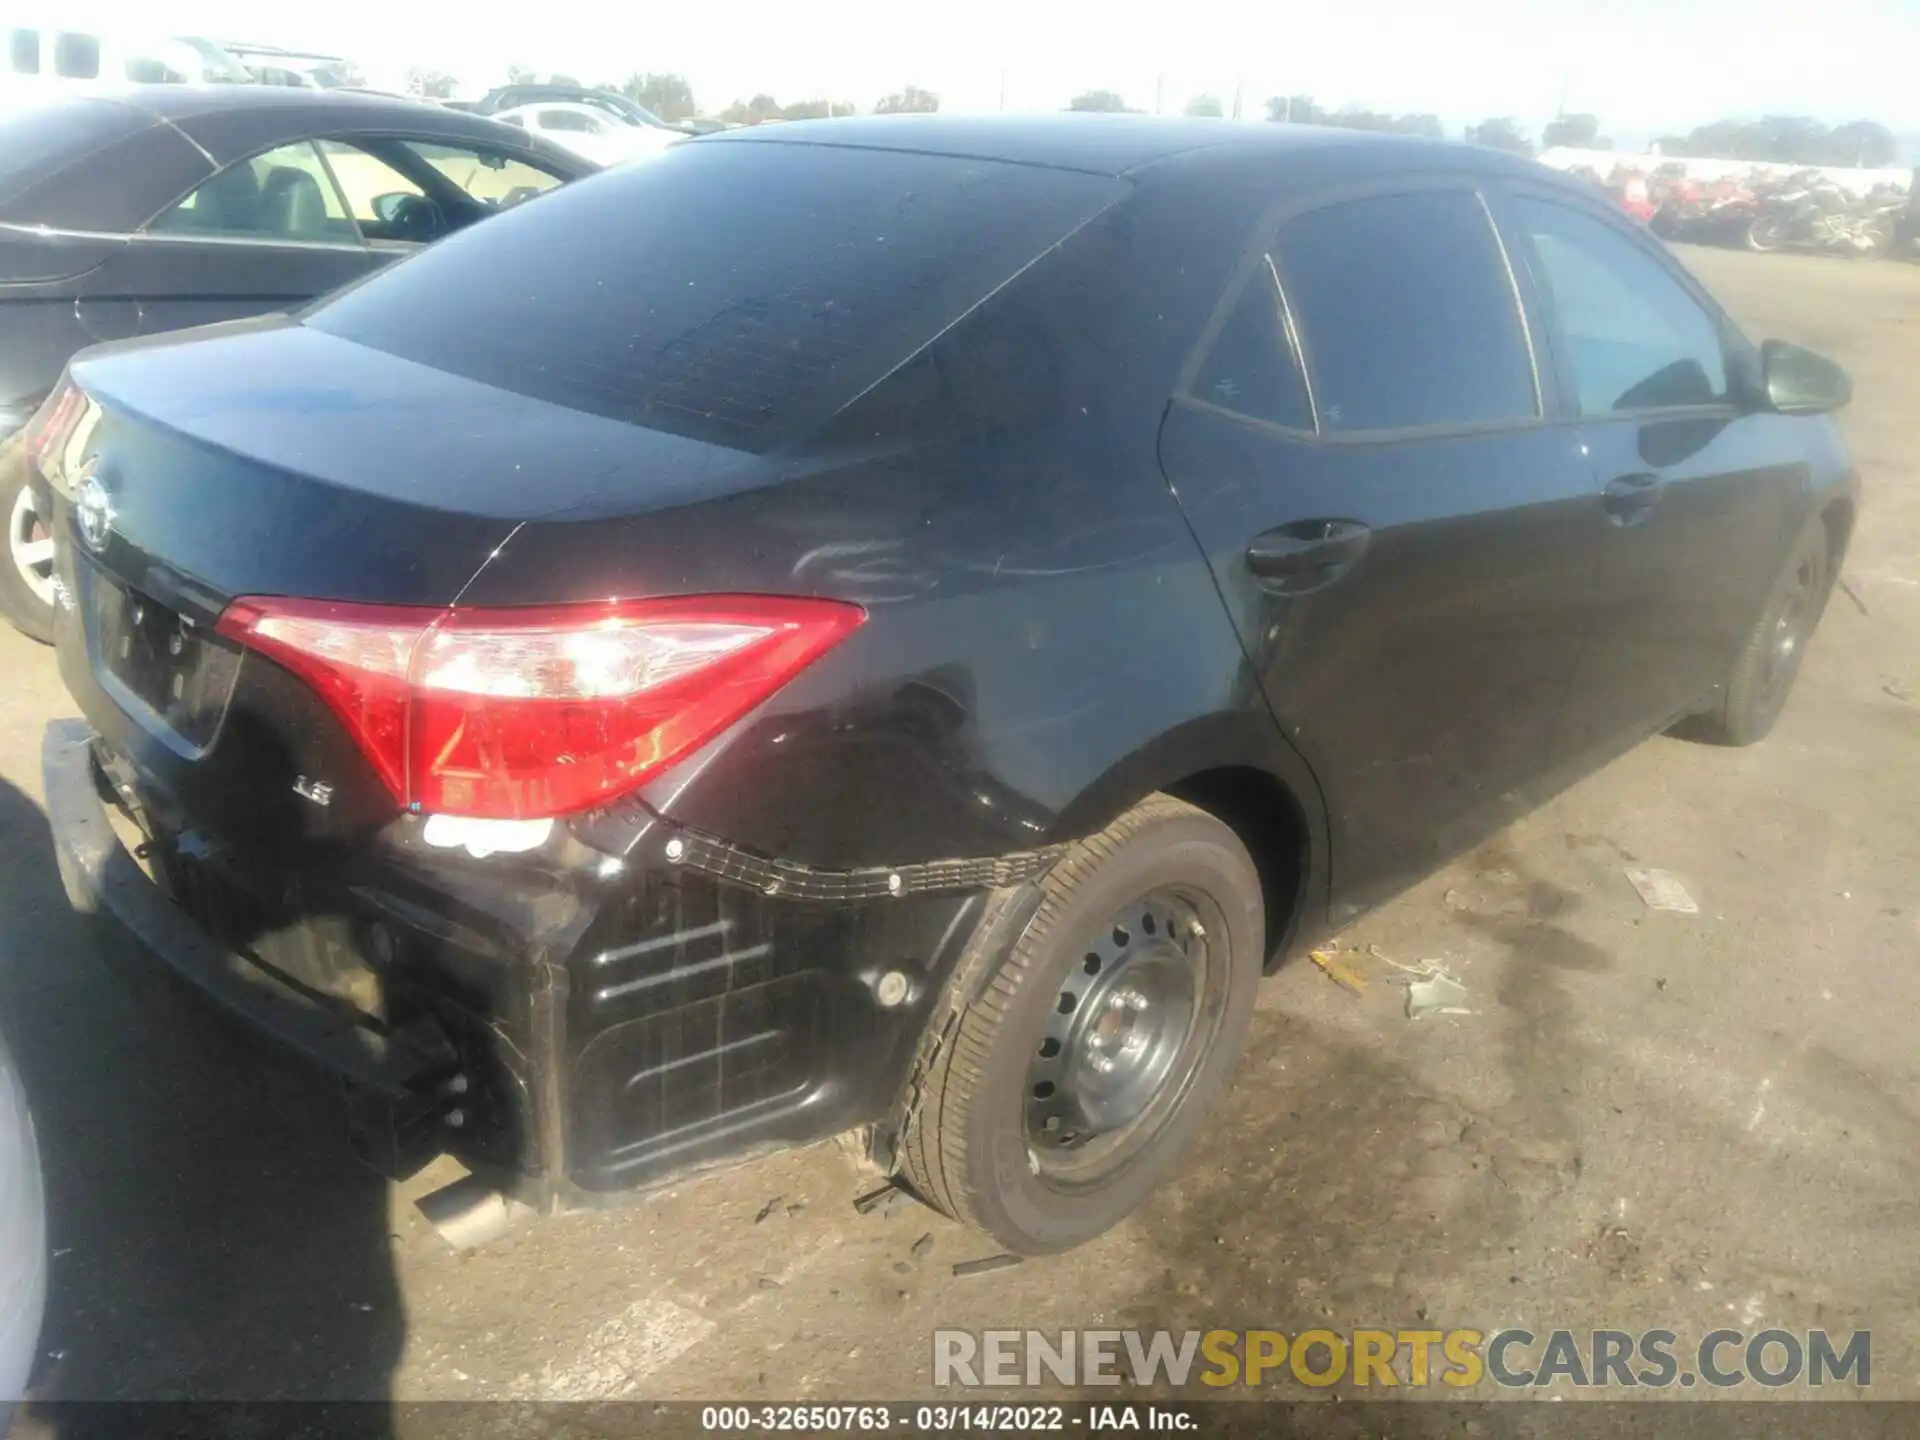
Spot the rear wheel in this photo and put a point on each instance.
(1767, 233)
(1769, 662)
(26, 575)
(1076, 1066)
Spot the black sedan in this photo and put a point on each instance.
(169, 206)
(892, 626)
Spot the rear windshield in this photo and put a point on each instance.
(738, 292)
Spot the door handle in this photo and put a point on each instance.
(1632, 498)
(1293, 559)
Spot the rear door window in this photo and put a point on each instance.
(1635, 339)
(1407, 313)
(732, 291)
(284, 194)
(1250, 368)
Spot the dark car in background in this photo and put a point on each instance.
(891, 626)
(169, 206)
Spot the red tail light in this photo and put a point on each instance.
(523, 713)
(53, 425)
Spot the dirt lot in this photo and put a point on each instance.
(1648, 1119)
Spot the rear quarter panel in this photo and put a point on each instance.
(1045, 642)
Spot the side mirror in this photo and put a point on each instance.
(1799, 382)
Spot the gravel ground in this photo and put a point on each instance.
(1646, 1120)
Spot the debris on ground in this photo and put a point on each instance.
(1437, 992)
(923, 1244)
(795, 1208)
(883, 1201)
(1662, 890)
(1432, 989)
(1853, 595)
(768, 1208)
(984, 1267)
(767, 1282)
(1339, 971)
(1899, 690)
(1453, 900)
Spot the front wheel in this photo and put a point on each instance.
(1769, 662)
(1073, 1068)
(26, 574)
(1767, 233)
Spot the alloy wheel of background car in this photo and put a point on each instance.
(26, 581)
(1076, 1064)
(1770, 660)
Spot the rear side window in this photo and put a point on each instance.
(1406, 313)
(1635, 339)
(285, 194)
(23, 52)
(76, 57)
(1250, 368)
(731, 291)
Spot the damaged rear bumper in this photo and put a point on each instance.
(578, 1026)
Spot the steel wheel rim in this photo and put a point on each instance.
(1117, 1056)
(30, 546)
(1789, 635)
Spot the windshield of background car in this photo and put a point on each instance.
(728, 291)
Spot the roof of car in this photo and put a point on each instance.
(1101, 144)
(178, 102)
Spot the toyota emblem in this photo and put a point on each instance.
(93, 512)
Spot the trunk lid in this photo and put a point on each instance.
(264, 458)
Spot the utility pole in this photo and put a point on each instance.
(1159, 92)
(1239, 85)
(1003, 90)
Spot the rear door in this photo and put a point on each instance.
(1404, 539)
(1697, 503)
(264, 234)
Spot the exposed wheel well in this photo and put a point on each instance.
(1267, 817)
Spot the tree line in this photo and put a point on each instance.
(1783, 139)
(670, 96)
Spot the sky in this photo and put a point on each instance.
(1643, 66)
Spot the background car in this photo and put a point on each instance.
(172, 206)
(591, 134)
(893, 626)
(23, 1239)
(74, 57)
(302, 69)
(611, 102)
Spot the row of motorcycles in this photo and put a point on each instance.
(1804, 211)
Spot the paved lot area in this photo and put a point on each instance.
(1647, 1120)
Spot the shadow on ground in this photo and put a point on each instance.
(213, 1237)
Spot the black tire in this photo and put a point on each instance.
(971, 1144)
(31, 615)
(1767, 234)
(1769, 662)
